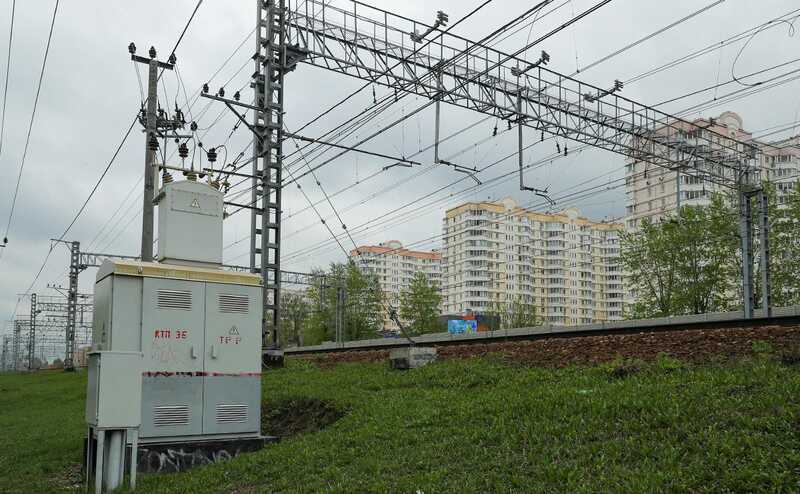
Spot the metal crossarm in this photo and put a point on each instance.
(477, 77)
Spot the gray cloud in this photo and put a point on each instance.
(90, 95)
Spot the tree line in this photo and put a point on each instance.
(308, 317)
(691, 262)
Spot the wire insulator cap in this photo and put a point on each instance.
(183, 150)
(205, 88)
(152, 143)
(132, 48)
(212, 155)
(221, 92)
(152, 52)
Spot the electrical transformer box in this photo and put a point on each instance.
(199, 327)
(190, 213)
(200, 332)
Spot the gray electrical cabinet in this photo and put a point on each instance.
(198, 327)
(200, 333)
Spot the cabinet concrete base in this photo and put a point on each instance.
(271, 359)
(411, 357)
(177, 457)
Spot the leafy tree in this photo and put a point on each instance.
(651, 264)
(419, 305)
(363, 312)
(295, 311)
(684, 264)
(708, 239)
(516, 314)
(522, 314)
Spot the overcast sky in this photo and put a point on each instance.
(90, 94)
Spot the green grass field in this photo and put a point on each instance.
(468, 426)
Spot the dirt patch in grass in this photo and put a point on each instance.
(696, 346)
(298, 416)
(70, 478)
(621, 370)
(790, 355)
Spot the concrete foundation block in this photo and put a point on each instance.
(411, 357)
(272, 359)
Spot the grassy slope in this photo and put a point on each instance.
(472, 426)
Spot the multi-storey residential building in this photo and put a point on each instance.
(655, 192)
(395, 267)
(565, 265)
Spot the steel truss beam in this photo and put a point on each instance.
(480, 78)
(452, 69)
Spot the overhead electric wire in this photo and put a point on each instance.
(648, 37)
(8, 70)
(709, 7)
(108, 166)
(30, 126)
(373, 79)
(185, 28)
(709, 48)
(83, 206)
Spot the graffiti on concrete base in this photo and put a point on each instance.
(166, 460)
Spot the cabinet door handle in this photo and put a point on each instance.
(192, 353)
(213, 351)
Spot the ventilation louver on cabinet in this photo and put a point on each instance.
(170, 415)
(239, 304)
(231, 414)
(174, 299)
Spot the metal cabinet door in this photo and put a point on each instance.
(173, 337)
(232, 387)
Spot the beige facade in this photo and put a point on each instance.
(565, 265)
(654, 192)
(395, 267)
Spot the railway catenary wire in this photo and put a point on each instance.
(455, 58)
(720, 103)
(717, 47)
(490, 66)
(575, 196)
(461, 54)
(421, 172)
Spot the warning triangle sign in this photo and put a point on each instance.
(234, 331)
(195, 203)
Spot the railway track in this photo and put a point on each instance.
(717, 324)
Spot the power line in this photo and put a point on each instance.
(83, 207)
(186, 27)
(30, 126)
(8, 68)
(648, 37)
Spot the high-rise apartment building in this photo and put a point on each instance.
(395, 267)
(565, 265)
(655, 192)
